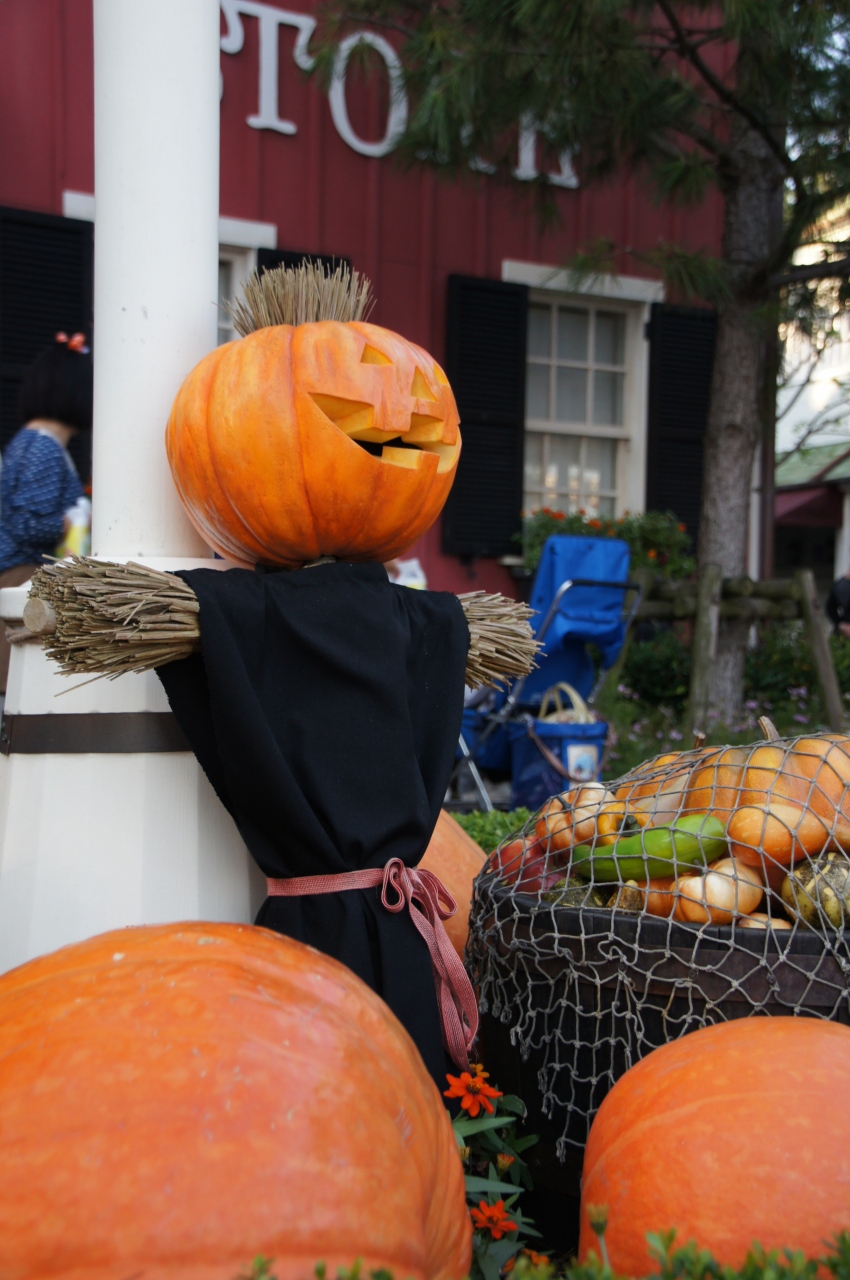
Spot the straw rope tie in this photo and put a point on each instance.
(433, 905)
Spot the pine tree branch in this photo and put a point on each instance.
(838, 270)
(731, 99)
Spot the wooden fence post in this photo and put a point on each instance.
(704, 644)
(821, 652)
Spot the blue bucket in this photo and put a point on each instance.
(578, 747)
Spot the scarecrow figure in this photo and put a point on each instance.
(325, 704)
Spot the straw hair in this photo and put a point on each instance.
(107, 619)
(300, 295)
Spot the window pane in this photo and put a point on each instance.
(539, 329)
(225, 289)
(572, 395)
(607, 399)
(537, 391)
(572, 334)
(533, 462)
(601, 458)
(610, 337)
(563, 473)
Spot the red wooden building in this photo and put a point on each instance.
(591, 400)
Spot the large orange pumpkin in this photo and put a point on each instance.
(456, 859)
(324, 439)
(734, 1133)
(175, 1100)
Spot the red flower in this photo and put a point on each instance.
(652, 553)
(595, 524)
(492, 1218)
(683, 528)
(474, 1092)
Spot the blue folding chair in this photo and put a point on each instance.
(578, 594)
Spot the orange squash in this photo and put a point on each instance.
(727, 889)
(570, 818)
(456, 859)
(732, 1134)
(175, 1100)
(782, 832)
(324, 439)
(715, 786)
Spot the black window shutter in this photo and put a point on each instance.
(485, 363)
(269, 258)
(681, 358)
(46, 284)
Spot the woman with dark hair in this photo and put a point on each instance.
(39, 485)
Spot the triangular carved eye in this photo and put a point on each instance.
(420, 389)
(371, 355)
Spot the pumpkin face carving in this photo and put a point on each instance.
(322, 439)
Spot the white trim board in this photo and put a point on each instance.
(617, 288)
(241, 233)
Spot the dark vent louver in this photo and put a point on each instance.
(485, 363)
(681, 358)
(46, 280)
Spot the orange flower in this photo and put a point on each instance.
(492, 1218)
(536, 1259)
(559, 515)
(504, 1161)
(473, 1091)
(683, 528)
(595, 524)
(478, 1068)
(652, 553)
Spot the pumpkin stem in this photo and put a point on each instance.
(769, 729)
(300, 295)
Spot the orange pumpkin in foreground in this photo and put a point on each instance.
(266, 444)
(735, 1133)
(456, 859)
(175, 1100)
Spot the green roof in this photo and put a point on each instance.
(801, 467)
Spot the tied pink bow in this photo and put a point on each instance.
(429, 904)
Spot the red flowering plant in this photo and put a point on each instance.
(496, 1174)
(657, 540)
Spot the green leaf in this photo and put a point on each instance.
(483, 1186)
(466, 1128)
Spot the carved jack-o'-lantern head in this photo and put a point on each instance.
(318, 439)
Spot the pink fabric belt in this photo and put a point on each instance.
(434, 904)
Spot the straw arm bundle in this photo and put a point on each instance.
(102, 619)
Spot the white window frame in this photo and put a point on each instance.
(632, 296)
(243, 263)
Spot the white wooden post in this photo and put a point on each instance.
(91, 842)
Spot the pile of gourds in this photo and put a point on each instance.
(701, 836)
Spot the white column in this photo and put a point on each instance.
(93, 842)
(156, 146)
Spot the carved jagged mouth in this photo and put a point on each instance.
(356, 419)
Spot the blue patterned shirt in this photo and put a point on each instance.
(38, 484)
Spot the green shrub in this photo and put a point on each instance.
(656, 539)
(489, 829)
(658, 671)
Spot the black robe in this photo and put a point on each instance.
(325, 710)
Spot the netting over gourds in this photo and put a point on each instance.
(702, 886)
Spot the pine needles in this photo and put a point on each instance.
(115, 618)
(300, 295)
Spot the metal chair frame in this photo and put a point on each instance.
(504, 713)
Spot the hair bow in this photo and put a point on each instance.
(77, 342)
